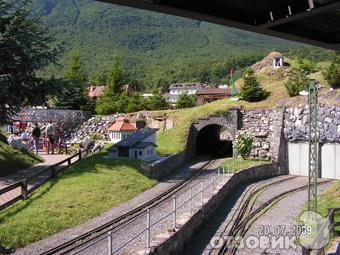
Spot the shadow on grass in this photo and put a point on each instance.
(16, 208)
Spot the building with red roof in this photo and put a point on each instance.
(121, 129)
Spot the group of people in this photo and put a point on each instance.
(51, 134)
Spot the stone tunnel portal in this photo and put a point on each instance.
(212, 140)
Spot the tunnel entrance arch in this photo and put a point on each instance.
(213, 135)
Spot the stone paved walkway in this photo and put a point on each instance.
(23, 174)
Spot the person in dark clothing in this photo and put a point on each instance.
(36, 133)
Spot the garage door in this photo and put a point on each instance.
(330, 161)
(298, 158)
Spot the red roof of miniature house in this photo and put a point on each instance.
(122, 124)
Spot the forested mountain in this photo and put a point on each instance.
(157, 49)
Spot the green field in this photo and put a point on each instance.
(87, 189)
(12, 160)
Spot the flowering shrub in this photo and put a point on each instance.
(243, 144)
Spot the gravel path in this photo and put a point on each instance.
(57, 239)
(283, 213)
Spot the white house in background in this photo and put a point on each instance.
(121, 129)
(176, 89)
(278, 61)
(140, 145)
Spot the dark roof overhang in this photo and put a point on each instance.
(315, 22)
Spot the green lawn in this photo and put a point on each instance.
(87, 189)
(12, 160)
(240, 164)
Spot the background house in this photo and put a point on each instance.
(140, 145)
(94, 92)
(208, 95)
(121, 129)
(176, 89)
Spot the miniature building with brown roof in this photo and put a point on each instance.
(209, 95)
(121, 129)
(95, 92)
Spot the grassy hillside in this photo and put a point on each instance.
(12, 160)
(87, 189)
(174, 140)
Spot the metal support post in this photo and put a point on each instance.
(109, 243)
(202, 193)
(190, 200)
(148, 228)
(174, 213)
(313, 148)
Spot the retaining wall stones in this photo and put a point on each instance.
(296, 124)
(177, 241)
(266, 128)
(165, 167)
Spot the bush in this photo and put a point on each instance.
(251, 89)
(186, 101)
(297, 82)
(332, 72)
(243, 144)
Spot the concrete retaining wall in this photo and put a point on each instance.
(165, 167)
(175, 244)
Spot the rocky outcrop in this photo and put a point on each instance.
(296, 124)
(95, 125)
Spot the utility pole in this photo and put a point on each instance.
(313, 163)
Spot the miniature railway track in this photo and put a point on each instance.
(247, 216)
(244, 204)
(74, 244)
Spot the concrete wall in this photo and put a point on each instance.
(165, 167)
(176, 243)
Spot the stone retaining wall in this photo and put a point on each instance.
(296, 124)
(266, 128)
(165, 167)
(176, 243)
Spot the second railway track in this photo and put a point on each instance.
(76, 243)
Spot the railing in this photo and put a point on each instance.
(332, 225)
(183, 202)
(25, 191)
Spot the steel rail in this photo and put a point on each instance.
(89, 236)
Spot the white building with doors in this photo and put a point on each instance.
(121, 129)
(140, 145)
(176, 89)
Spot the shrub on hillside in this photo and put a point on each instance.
(251, 89)
(186, 101)
(243, 144)
(332, 72)
(296, 83)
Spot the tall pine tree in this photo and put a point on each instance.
(25, 47)
(251, 89)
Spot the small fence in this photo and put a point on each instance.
(21, 190)
(184, 203)
(332, 225)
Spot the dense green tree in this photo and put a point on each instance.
(296, 82)
(332, 72)
(74, 70)
(114, 76)
(136, 103)
(25, 48)
(251, 89)
(75, 74)
(157, 101)
(186, 101)
(304, 65)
